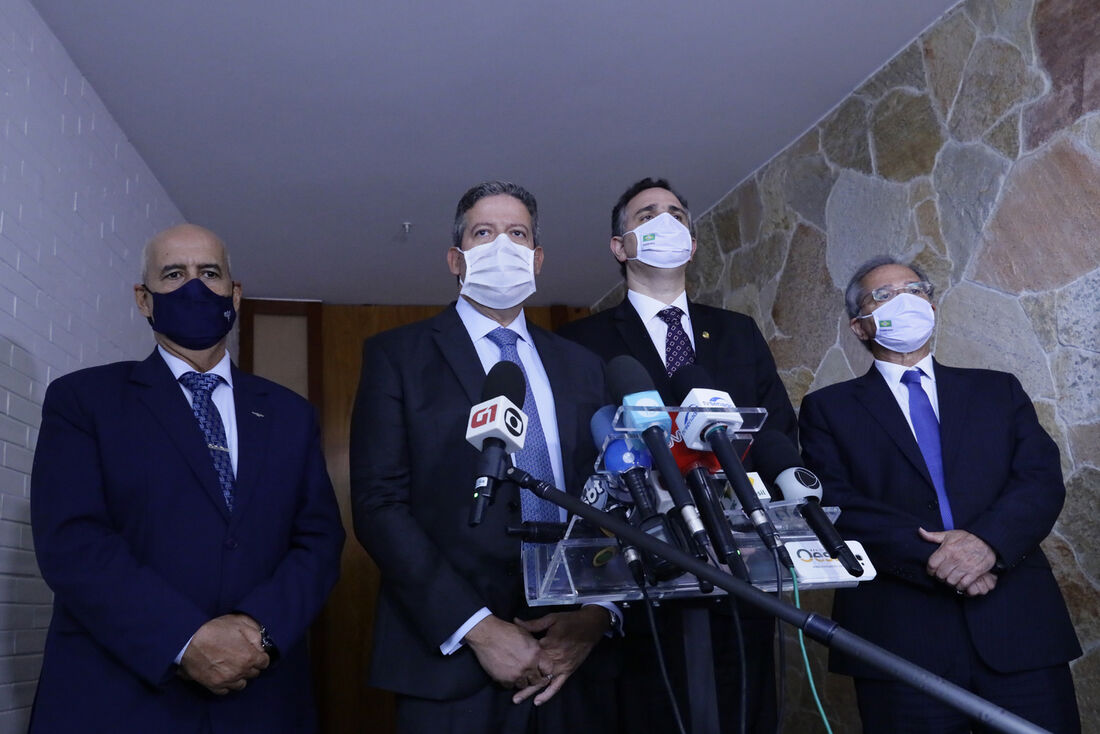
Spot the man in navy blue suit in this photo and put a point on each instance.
(947, 478)
(184, 519)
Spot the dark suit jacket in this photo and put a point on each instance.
(1004, 482)
(727, 344)
(133, 536)
(412, 475)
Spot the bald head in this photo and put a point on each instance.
(183, 240)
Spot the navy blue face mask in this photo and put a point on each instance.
(192, 316)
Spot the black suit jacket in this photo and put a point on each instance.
(412, 475)
(1004, 482)
(727, 344)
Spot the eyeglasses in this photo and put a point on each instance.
(886, 292)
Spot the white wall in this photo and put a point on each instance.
(77, 203)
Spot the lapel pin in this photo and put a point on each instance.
(706, 335)
(258, 415)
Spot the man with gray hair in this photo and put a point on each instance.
(948, 480)
(184, 519)
(454, 637)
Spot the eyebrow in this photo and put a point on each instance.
(653, 208)
(475, 225)
(182, 266)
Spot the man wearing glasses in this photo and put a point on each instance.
(947, 478)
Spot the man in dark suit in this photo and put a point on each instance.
(948, 480)
(184, 519)
(453, 635)
(651, 238)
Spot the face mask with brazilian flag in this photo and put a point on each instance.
(663, 242)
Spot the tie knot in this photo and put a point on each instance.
(670, 315)
(911, 377)
(503, 337)
(200, 383)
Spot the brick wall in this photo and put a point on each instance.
(76, 205)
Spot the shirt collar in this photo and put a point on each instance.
(222, 369)
(892, 371)
(478, 325)
(648, 307)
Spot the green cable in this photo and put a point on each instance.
(806, 659)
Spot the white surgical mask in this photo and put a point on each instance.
(499, 274)
(663, 242)
(904, 323)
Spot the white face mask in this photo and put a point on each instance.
(662, 242)
(499, 274)
(904, 323)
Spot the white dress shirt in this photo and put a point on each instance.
(648, 308)
(892, 373)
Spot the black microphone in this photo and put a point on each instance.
(496, 428)
(695, 385)
(781, 467)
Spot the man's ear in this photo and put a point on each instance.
(537, 264)
(455, 261)
(618, 249)
(144, 300)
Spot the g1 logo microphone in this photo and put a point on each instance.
(497, 418)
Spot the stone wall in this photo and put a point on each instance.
(975, 152)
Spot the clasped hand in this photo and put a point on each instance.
(224, 654)
(511, 654)
(963, 561)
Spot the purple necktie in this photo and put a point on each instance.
(678, 351)
(201, 386)
(927, 429)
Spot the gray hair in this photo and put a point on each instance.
(493, 188)
(157, 237)
(854, 293)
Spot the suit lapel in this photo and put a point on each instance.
(565, 410)
(873, 393)
(254, 420)
(164, 399)
(703, 330)
(953, 395)
(458, 351)
(633, 333)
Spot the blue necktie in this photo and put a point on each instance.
(534, 458)
(201, 386)
(678, 351)
(927, 429)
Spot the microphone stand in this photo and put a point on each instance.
(820, 628)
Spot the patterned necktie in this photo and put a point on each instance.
(927, 429)
(201, 386)
(678, 351)
(534, 457)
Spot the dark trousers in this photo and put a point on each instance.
(1044, 697)
(645, 708)
(586, 703)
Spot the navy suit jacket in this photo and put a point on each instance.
(1004, 483)
(727, 344)
(412, 477)
(133, 536)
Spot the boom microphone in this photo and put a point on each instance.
(781, 466)
(496, 428)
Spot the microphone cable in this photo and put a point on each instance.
(648, 602)
(806, 662)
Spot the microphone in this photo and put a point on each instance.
(781, 466)
(699, 469)
(496, 428)
(714, 428)
(631, 386)
(628, 461)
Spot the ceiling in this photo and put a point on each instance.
(306, 134)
